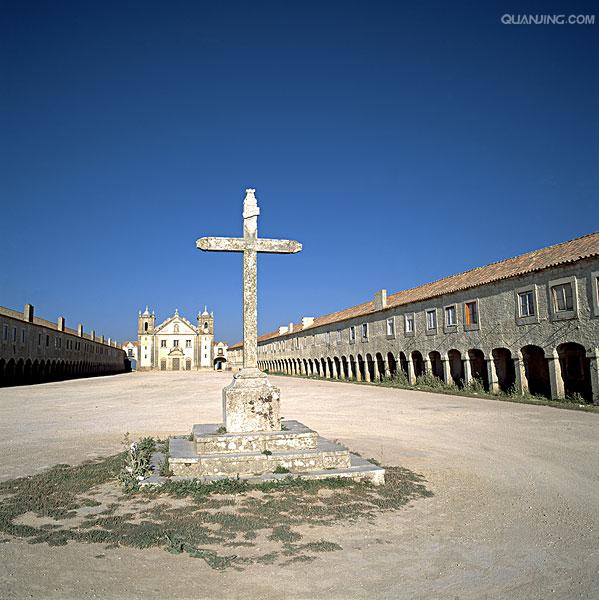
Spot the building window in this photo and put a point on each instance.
(145, 327)
(409, 323)
(14, 334)
(338, 336)
(471, 313)
(5, 333)
(352, 334)
(526, 304)
(175, 343)
(22, 336)
(129, 352)
(188, 343)
(39, 339)
(450, 316)
(431, 319)
(364, 332)
(563, 299)
(163, 343)
(176, 329)
(391, 327)
(328, 338)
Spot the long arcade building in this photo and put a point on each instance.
(529, 323)
(33, 350)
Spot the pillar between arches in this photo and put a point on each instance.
(594, 368)
(467, 370)
(555, 376)
(411, 376)
(446, 371)
(492, 374)
(521, 382)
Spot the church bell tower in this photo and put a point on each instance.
(145, 322)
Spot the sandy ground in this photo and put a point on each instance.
(515, 512)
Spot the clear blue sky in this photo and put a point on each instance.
(400, 142)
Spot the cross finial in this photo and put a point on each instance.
(250, 204)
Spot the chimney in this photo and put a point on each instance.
(282, 330)
(380, 300)
(60, 323)
(92, 335)
(290, 328)
(307, 322)
(80, 330)
(28, 313)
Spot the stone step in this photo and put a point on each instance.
(184, 461)
(359, 470)
(295, 436)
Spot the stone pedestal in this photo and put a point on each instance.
(251, 403)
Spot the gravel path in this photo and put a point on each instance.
(515, 512)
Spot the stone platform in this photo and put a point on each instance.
(295, 449)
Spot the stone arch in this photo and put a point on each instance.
(380, 363)
(361, 368)
(338, 367)
(9, 371)
(436, 364)
(403, 363)
(456, 367)
(331, 370)
(344, 367)
(354, 371)
(536, 369)
(418, 363)
(19, 372)
(576, 370)
(392, 363)
(478, 366)
(323, 368)
(504, 368)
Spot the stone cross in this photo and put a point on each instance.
(250, 244)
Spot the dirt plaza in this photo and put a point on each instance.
(514, 511)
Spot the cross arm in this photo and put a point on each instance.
(223, 244)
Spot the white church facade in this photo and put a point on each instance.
(177, 344)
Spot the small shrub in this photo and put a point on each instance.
(280, 470)
(267, 452)
(221, 429)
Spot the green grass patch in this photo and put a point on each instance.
(228, 523)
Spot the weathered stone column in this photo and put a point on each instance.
(427, 365)
(593, 356)
(334, 369)
(358, 374)
(521, 382)
(387, 368)
(467, 370)
(555, 376)
(447, 378)
(366, 370)
(492, 374)
(377, 374)
(411, 375)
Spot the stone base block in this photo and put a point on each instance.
(251, 403)
(359, 470)
(184, 461)
(292, 436)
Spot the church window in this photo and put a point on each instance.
(450, 316)
(409, 323)
(146, 326)
(471, 313)
(188, 343)
(563, 298)
(163, 343)
(391, 327)
(175, 343)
